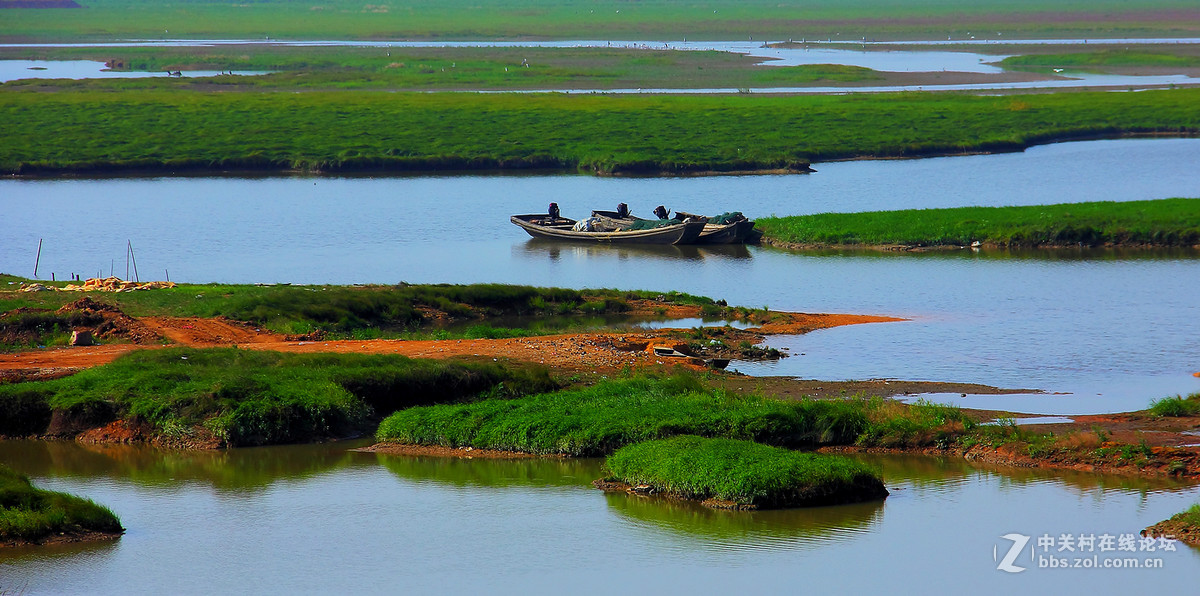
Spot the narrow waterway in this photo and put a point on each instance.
(320, 519)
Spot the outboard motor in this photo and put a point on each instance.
(660, 212)
(622, 210)
(553, 211)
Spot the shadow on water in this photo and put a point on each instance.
(932, 472)
(756, 530)
(493, 473)
(230, 469)
(536, 248)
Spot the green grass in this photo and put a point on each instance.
(245, 397)
(1176, 406)
(1167, 222)
(29, 513)
(599, 419)
(1100, 60)
(176, 131)
(600, 19)
(744, 473)
(339, 311)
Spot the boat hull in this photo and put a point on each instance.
(541, 226)
(734, 233)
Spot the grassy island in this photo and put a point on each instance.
(1167, 222)
(59, 127)
(29, 514)
(743, 475)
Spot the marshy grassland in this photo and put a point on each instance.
(30, 514)
(1164, 222)
(607, 19)
(742, 474)
(338, 68)
(601, 418)
(231, 397)
(82, 128)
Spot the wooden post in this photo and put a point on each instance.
(38, 260)
(134, 257)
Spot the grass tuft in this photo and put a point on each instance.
(29, 513)
(1176, 406)
(744, 473)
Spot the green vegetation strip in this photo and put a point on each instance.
(30, 514)
(744, 473)
(600, 19)
(168, 130)
(1167, 222)
(244, 397)
(597, 420)
(1100, 59)
(341, 312)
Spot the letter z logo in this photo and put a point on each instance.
(1018, 544)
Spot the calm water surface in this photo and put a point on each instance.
(320, 519)
(1105, 331)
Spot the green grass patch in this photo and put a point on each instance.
(399, 311)
(744, 473)
(29, 513)
(1176, 406)
(1099, 60)
(1166, 222)
(81, 129)
(245, 397)
(599, 419)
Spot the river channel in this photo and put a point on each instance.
(1097, 331)
(321, 519)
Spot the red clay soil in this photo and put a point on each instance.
(64, 538)
(593, 352)
(1175, 528)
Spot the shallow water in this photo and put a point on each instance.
(919, 60)
(1112, 330)
(11, 70)
(319, 519)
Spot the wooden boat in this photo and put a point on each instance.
(541, 225)
(735, 232)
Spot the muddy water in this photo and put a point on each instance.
(320, 519)
(1107, 331)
